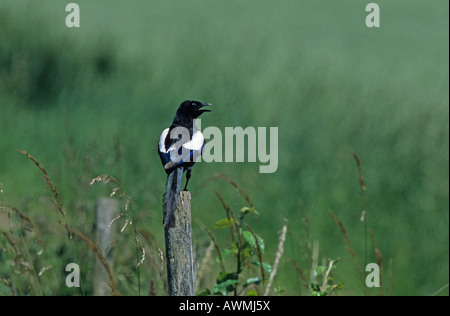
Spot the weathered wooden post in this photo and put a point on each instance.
(180, 262)
(106, 210)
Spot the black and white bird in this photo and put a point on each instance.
(179, 147)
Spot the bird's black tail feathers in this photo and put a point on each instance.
(173, 186)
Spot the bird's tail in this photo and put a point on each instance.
(173, 186)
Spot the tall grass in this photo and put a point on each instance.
(94, 100)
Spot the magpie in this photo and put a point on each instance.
(179, 147)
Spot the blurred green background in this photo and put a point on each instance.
(93, 100)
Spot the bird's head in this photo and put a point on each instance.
(193, 108)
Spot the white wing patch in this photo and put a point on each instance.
(195, 145)
(196, 142)
(162, 147)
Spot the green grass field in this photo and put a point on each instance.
(93, 100)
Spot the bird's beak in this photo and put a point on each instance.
(203, 105)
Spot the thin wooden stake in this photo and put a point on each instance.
(106, 210)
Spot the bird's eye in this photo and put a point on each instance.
(193, 104)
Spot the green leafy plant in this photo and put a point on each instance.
(241, 262)
(326, 285)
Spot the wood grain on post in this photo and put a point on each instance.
(106, 210)
(180, 262)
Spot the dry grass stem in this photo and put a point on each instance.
(347, 241)
(300, 272)
(379, 258)
(205, 264)
(440, 290)
(56, 201)
(49, 182)
(360, 175)
(216, 245)
(278, 256)
(242, 192)
(305, 220)
(229, 214)
(263, 275)
(326, 276)
(10, 241)
(22, 216)
(98, 253)
(142, 258)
